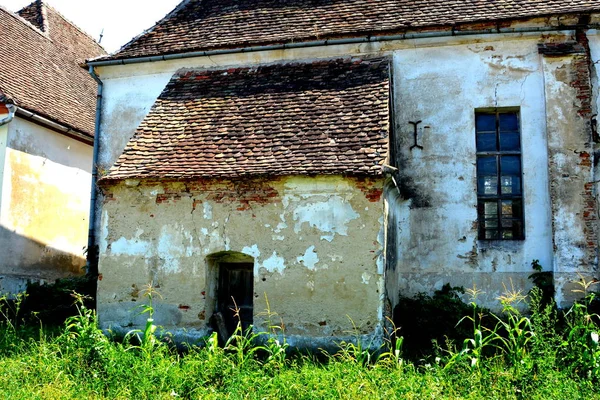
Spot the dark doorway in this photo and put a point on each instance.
(236, 291)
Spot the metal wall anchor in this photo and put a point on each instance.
(415, 126)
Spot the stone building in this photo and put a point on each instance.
(47, 111)
(321, 158)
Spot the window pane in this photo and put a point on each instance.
(489, 234)
(487, 185)
(491, 224)
(510, 185)
(511, 165)
(508, 122)
(486, 142)
(517, 208)
(490, 209)
(510, 141)
(506, 184)
(486, 166)
(507, 234)
(507, 208)
(485, 122)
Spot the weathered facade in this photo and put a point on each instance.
(47, 104)
(490, 165)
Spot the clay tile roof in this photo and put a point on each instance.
(198, 25)
(40, 57)
(323, 117)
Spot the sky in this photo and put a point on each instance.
(121, 19)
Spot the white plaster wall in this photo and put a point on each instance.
(437, 228)
(130, 90)
(440, 81)
(3, 141)
(45, 202)
(317, 245)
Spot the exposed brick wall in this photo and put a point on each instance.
(580, 80)
(244, 193)
(582, 83)
(3, 109)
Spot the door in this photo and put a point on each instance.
(236, 289)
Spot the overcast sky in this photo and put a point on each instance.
(121, 19)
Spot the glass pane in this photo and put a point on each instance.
(491, 223)
(517, 230)
(487, 185)
(490, 209)
(486, 166)
(506, 185)
(508, 121)
(510, 185)
(485, 122)
(517, 208)
(507, 208)
(507, 223)
(486, 142)
(507, 234)
(510, 141)
(491, 234)
(511, 165)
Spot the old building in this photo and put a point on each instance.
(322, 158)
(47, 111)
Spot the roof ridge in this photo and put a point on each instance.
(25, 22)
(67, 20)
(177, 8)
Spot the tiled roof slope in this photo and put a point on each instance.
(324, 117)
(211, 24)
(40, 71)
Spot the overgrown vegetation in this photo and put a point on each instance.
(541, 353)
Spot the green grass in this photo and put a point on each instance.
(538, 355)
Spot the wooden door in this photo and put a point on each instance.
(236, 289)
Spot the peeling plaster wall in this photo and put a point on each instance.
(45, 205)
(3, 142)
(436, 214)
(574, 211)
(431, 226)
(317, 245)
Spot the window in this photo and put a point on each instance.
(499, 178)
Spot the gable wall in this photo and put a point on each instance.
(432, 237)
(317, 245)
(45, 204)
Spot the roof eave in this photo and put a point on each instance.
(402, 34)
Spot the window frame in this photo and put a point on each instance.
(518, 234)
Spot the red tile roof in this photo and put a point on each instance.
(211, 24)
(40, 57)
(324, 117)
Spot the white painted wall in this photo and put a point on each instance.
(441, 81)
(3, 142)
(443, 87)
(45, 202)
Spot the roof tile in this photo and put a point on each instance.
(198, 25)
(40, 56)
(283, 119)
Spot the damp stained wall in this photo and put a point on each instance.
(317, 245)
(44, 210)
(431, 235)
(436, 214)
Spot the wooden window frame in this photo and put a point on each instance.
(508, 227)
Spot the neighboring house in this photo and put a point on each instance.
(322, 158)
(47, 112)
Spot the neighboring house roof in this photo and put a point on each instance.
(40, 57)
(322, 117)
(198, 25)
